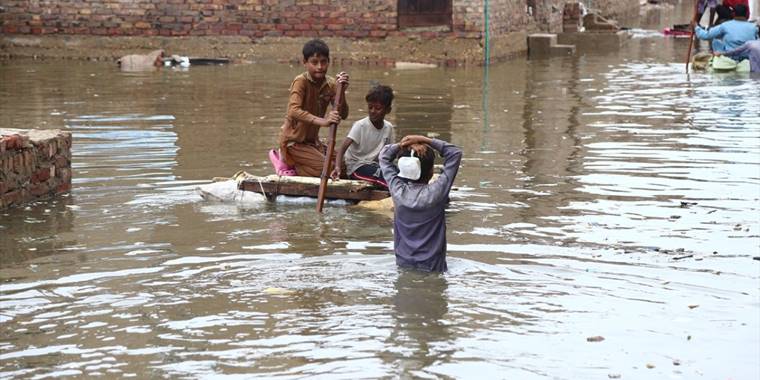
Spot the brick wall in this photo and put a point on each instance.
(252, 18)
(34, 164)
(271, 18)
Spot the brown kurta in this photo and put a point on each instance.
(299, 138)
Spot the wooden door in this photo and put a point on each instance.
(413, 13)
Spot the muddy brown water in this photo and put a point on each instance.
(607, 195)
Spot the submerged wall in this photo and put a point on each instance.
(34, 164)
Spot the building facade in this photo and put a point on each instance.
(374, 20)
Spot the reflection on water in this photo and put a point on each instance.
(602, 195)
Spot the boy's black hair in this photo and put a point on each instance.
(741, 10)
(315, 47)
(426, 154)
(723, 12)
(381, 94)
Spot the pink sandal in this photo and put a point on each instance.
(280, 167)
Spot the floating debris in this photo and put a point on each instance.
(595, 338)
(278, 291)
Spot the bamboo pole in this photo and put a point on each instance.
(330, 150)
(693, 34)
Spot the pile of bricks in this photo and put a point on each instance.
(34, 165)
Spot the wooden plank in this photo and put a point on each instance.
(274, 185)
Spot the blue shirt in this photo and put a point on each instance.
(419, 223)
(734, 33)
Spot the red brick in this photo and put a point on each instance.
(12, 197)
(40, 189)
(64, 174)
(41, 175)
(64, 187)
(61, 162)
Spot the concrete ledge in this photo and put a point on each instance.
(543, 45)
(34, 165)
(586, 42)
(563, 50)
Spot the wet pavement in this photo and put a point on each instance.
(605, 195)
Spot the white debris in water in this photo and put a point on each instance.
(282, 245)
(414, 65)
(227, 191)
(310, 200)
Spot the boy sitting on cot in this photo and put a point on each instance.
(419, 223)
(365, 139)
(310, 95)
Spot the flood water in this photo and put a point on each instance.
(607, 194)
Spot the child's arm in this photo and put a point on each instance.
(338, 169)
(343, 106)
(452, 156)
(714, 32)
(389, 169)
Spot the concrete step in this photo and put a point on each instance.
(563, 50)
(544, 45)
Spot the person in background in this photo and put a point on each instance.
(732, 4)
(731, 34)
(702, 7)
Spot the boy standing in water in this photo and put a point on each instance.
(310, 95)
(367, 136)
(419, 222)
(702, 7)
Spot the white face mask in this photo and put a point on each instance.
(409, 167)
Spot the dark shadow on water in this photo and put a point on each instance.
(420, 306)
(39, 229)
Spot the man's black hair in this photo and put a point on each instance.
(724, 13)
(741, 10)
(381, 94)
(315, 47)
